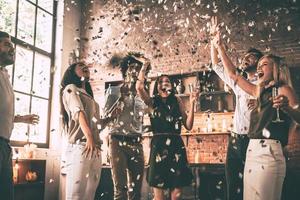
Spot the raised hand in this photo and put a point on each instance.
(214, 32)
(214, 27)
(194, 96)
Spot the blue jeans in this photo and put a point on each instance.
(6, 172)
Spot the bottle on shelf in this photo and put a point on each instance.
(197, 156)
(220, 104)
(180, 87)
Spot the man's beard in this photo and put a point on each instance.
(249, 68)
(6, 60)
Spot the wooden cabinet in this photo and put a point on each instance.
(33, 186)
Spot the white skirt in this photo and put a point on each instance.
(264, 171)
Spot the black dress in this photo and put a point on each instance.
(168, 160)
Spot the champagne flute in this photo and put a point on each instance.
(274, 94)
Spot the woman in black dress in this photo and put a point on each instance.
(168, 162)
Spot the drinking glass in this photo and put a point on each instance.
(274, 94)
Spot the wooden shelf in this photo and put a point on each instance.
(194, 134)
(30, 184)
(214, 93)
(28, 160)
(183, 95)
(204, 133)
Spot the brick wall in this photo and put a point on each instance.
(173, 34)
(205, 145)
(207, 148)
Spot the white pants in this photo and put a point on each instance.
(264, 171)
(82, 174)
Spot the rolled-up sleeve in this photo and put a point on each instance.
(220, 71)
(72, 101)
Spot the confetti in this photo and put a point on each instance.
(240, 175)
(94, 119)
(168, 142)
(266, 133)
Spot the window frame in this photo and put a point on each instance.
(35, 49)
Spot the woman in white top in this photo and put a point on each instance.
(81, 119)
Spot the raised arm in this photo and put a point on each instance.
(188, 119)
(213, 32)
(231, 69)
(140, 84)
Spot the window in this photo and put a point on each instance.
(32, 25)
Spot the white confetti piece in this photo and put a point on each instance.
(168, 142)
(266, 133)
(94, 119)
(240, 175)
(158, 158)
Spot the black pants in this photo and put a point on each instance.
(234, 167)
(6, 173)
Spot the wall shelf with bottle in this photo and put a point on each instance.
(215, 96)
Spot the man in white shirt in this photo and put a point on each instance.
(238, 140)
(7, 117)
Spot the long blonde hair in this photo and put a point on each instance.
(281, 72)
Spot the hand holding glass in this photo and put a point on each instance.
(274, 94)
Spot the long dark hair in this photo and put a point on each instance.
(70, 77)
(171, 100)
(155, 90)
